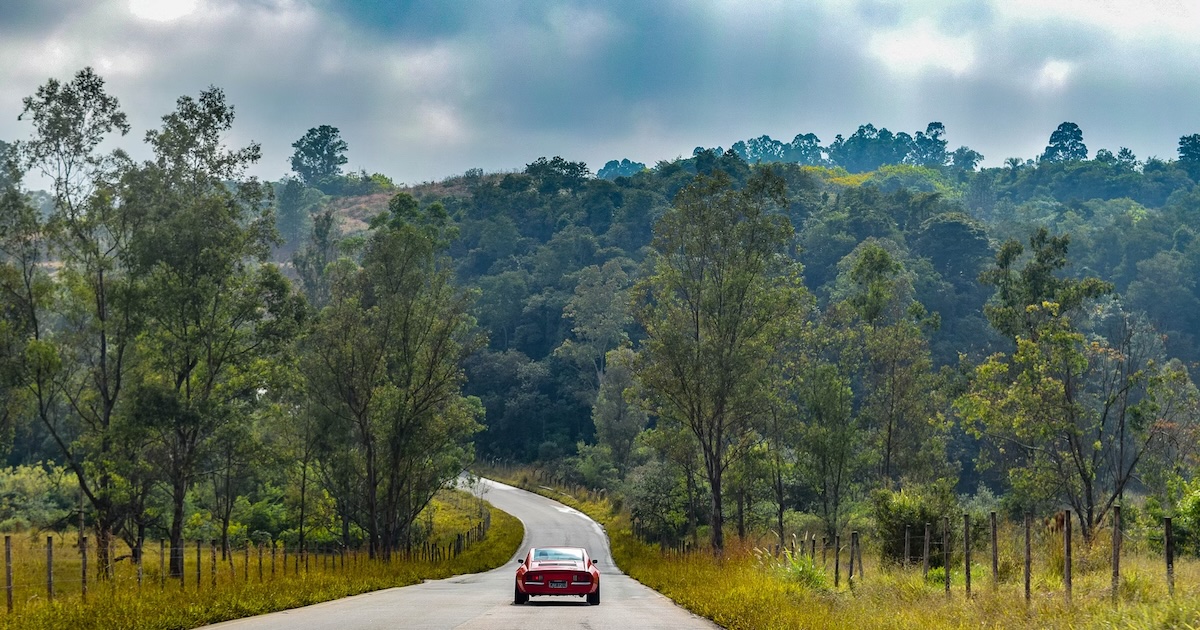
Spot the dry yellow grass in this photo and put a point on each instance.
(739, 590)
(119, 603)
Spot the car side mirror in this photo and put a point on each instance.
(594, 561)
(520, 560)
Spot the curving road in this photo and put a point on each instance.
(484, 600)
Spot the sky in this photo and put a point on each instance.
(426, 89)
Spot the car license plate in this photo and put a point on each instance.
(558, 584)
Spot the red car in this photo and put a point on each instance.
(557, 571)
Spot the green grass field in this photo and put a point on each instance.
(163, 604)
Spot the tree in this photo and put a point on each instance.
(557, 174)
(869, 148)
(1066, 144)
(87, 361)
(1189, 155)
(1071, 417)
(1036, 282)
(383, 364)
(625, 168)
(897, 378)
(806, 149)
(929, 147)
(217, 312)
(618, 420)
(600, 312)
(295, 204)
(319, 156)
(832, 435)
(965, 158)
(26, 296)
(715, 309)
(761, 149)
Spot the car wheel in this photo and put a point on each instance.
(593, 599)
(519, 597)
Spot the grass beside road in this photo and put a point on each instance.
(169, 607)
(748, 589)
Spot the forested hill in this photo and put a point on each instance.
(550, 246)
(783, 321)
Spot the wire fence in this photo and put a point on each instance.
(1036, 555)
(39, 570)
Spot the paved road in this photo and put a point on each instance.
(484, 600)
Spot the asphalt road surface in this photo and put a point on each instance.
(485, 600)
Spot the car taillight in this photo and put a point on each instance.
(533, 577)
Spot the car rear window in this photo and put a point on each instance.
(557, 554)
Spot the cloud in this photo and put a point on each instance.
(422, 89)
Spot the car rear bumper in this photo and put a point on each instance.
(572, 588)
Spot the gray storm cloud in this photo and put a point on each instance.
(422, 89)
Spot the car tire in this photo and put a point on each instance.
(519, 597)
(593, 599)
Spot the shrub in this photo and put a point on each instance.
(913, 508)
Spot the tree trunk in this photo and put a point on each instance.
(372, 502)
(717, 520)
(741, 513)
(303, 503)
(178, 490)
(693, 513)
(779, 498)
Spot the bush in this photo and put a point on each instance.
(36, 496)
(913, 508)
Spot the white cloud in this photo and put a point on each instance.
(1054, 75)
(920, 47)
(161, 10)
(1123, 19)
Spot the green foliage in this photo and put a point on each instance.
(795, 568)
(319, 155)
(1066, 144)
(1186, 522)
(716, 308)
(911, 508)
(657, 501)
(36, 497)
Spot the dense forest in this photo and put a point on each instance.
(770, 334)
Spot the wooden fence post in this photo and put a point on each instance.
(1169, 544)
(862, 570)
(246, 562)
(850, 573)
(824, 551)
(1028, 553)
(273, 546)
(83, 568)
(260, 555)
(162, 563)
(967, 552)
(837, 559)
(8, 585)
(925, 563)
(212, 560)
(140, 559)
(946, 551)
(1067, 553)
(50, 568)
(907, 535)
(1116, 550)
(995, 554)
